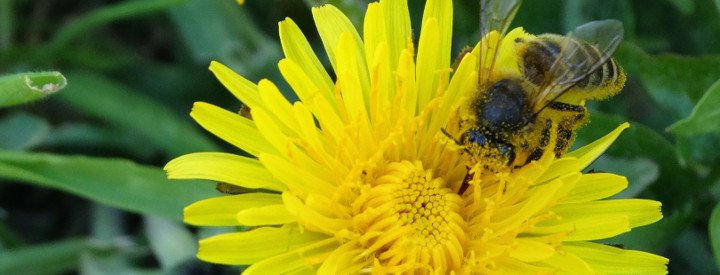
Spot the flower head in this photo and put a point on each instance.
(357, 176)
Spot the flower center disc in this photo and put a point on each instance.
(426, 228)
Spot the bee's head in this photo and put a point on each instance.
(481, 144)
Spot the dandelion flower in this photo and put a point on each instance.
(356, 177)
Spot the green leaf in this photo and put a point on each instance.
(704, 117)
(115, 182)
(699, 153)
(53, 258)
(675, 82)
(641, 141)
(129, 111)
(657, 236)
(227, 34)
(25, 87)
(116, 259)
(20, 131)
(714, 231)
(90, 139)
(693, 247)
(172, 243)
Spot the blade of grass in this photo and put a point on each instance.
(25, 87)
(675, 82)
(21, 131)
(82, 138)
(129, 111)
(115, 182)
(172, 243)
(52, 258)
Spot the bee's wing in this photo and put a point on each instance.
(576, 61)
(495, 15)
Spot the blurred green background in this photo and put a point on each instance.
(81, 185)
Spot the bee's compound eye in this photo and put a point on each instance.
(477, 137)
(504, 148)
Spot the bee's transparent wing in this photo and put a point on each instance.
(583, 51)
(496, 15)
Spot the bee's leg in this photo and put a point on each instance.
(544, 141)
(466, 183)
(566, 128)
(450, 136)
(456, 141)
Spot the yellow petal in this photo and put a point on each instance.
(406, 87)
(269, 129)
(221, 211)
(463, 83)
(373, 30)
(298, 50)
(582, 157)
(331, 23)
(312, 219)
(397, 29)
(341, 260)
(301, 83)
(433, 48)
(567, 263)
(311, 134)
(612, 260)
(278, 106)
(331, 123)
(588, 153)
(596, 186)
(243, 248)
(241, 88)
(231, 127)
(354, 93)
(296, 178)
(222, 167)
(639, 212)
(581, 228)
(442, 12)
(298, 261)
(513, 266)
(560, 167)
(265, 215)
(521, 212)
(531, 251)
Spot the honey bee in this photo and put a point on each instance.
(516, 116)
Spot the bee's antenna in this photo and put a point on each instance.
(457, 142)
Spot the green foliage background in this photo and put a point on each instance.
(81, 189)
